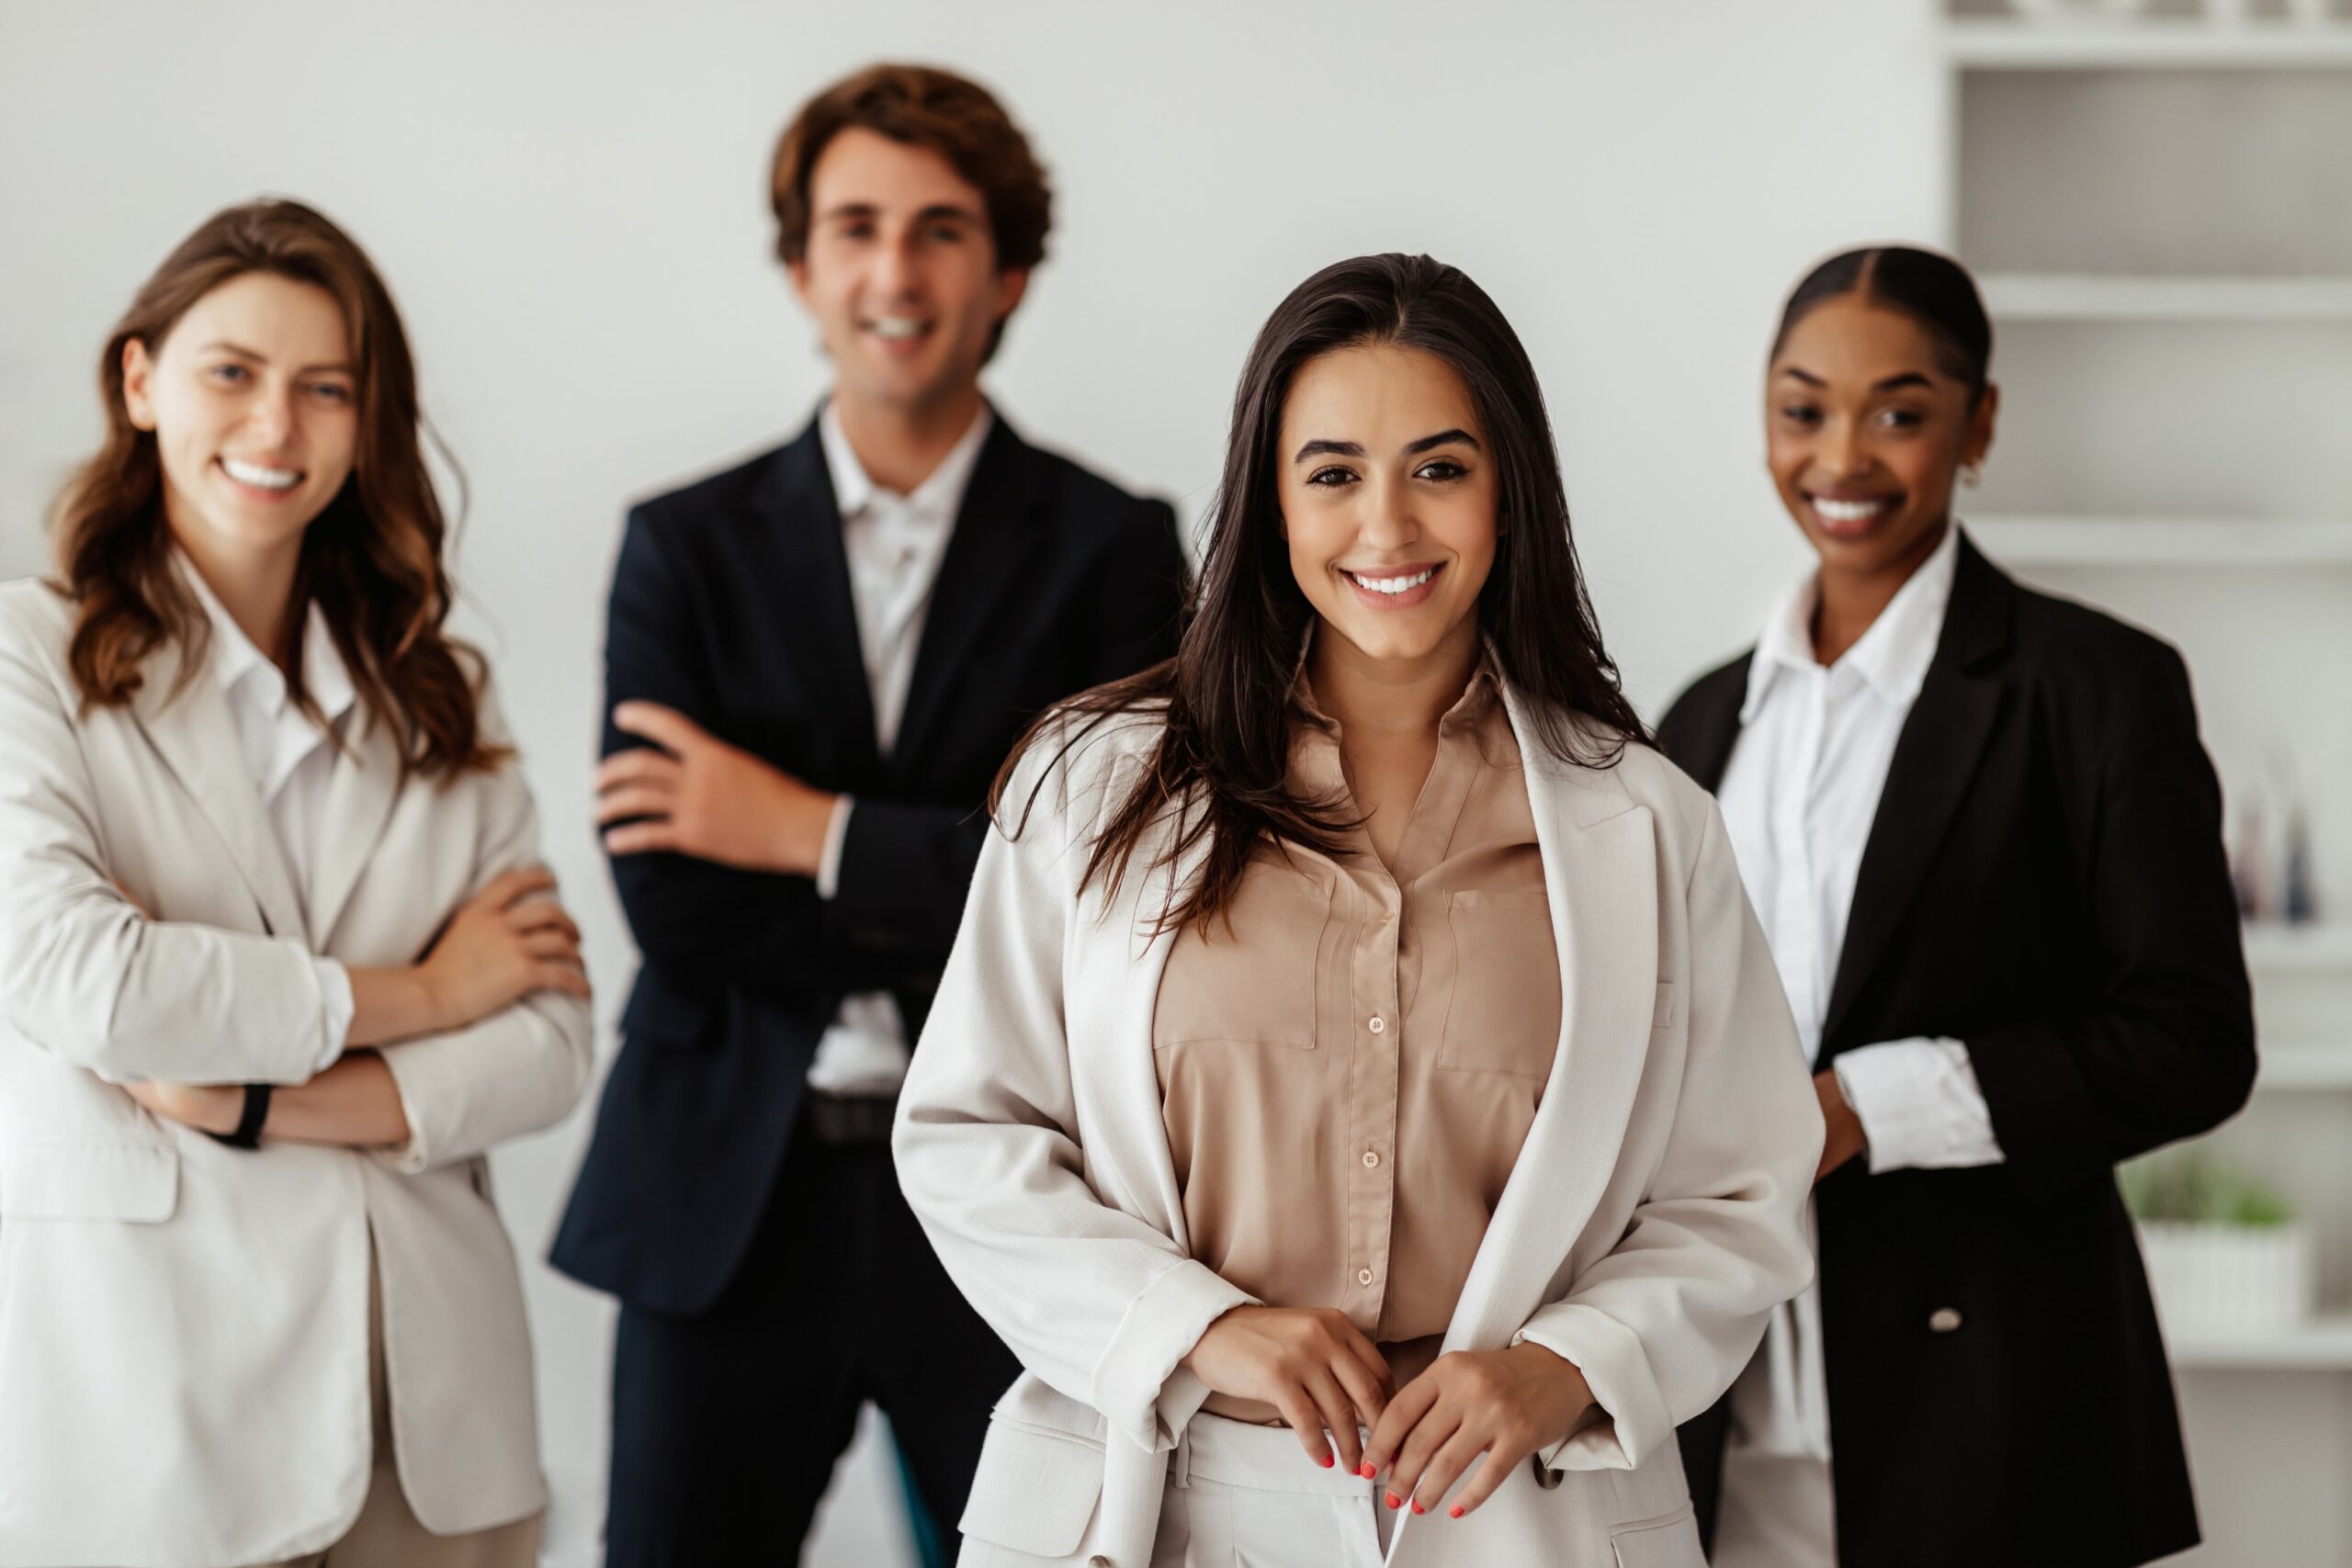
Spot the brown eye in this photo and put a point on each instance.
(1442, 469)
(1330, 479)
(1801, 413)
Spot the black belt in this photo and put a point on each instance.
(850, 1120)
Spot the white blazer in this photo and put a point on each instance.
(1651, 1223)
(184, 1326)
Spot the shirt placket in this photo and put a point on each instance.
(1375, 1032)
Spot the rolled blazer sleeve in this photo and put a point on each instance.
(521, 1068)
(1091, 1299)
(1662, 1324)
(82, 972)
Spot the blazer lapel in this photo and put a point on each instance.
(360, 795)
(817, 613)
(191, 730)
(1601, 874)
(1935, 759)
(1702, 738)
(996, 532)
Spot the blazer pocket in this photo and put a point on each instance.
(1666, 1011)
(1504, 1014)
(1670, 1541)
(1254, 985)
(1034, 1491)
(139, 1182)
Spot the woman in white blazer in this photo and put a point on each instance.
(1357, 1028)
(277, 966)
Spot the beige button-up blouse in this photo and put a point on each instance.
(1348, 1074)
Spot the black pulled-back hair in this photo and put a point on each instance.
(1223, 755)
(1931, 289)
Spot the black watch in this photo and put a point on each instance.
(256, 1111)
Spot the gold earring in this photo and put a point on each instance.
(1971, 473)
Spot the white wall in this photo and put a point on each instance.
(569, 202)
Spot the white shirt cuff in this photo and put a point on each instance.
(1920, 1105)
(336, 1010)
(829, 862)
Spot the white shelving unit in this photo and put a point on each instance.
(2164, 541)
(2160, 212)
(2078, 296)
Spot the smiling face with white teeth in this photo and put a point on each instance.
(253, 402)
(1867, 428)
(900, 273)
(1387, 497)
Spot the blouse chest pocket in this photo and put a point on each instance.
(1504, 1014)
(1251, 981)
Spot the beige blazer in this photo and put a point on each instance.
(1651, 1223)
(184, 1326)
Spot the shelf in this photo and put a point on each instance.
(2071, 296)
(2163, 541)
(2130, 44)
(2323, 1343)
(2298, 949)
(2302, 1066)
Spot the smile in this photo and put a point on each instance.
(260, 475)
(898, 329)
(1396, 588)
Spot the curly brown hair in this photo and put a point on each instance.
(372, 561)
(921, 107)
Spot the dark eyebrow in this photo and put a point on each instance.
(1330, 449)
(1443, 439)
(243, 353)
(932, 214)
(1892, 383)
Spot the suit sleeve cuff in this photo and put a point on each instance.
(336, 1010)
(1632, 1418)
(1139, 1385)
(1919, 1104)
(828, 860)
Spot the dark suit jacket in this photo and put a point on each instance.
(2043, 881)
(731, 604)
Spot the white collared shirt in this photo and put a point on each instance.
(291, 760)
(894, 544)
(1799, 796)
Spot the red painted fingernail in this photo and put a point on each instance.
(1366, 1470)
(1397, 1502)
(1455, 1512)
(1416, 1506)
(1325, 1462)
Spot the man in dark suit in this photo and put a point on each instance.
(816, 662)
(2042, 881)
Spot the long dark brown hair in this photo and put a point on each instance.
(1221, 760)
(372, 560)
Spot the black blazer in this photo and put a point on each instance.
(731, 604)
(2044, 880)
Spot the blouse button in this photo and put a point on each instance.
(1944, 1320)
(1379, 1024)
(1363, 1276)
(1371, 1160)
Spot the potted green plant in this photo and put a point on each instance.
(2225, 1255)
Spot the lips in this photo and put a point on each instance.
(1398, 587)
(262, 480)
(1850, 517)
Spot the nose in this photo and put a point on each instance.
(1841, 453)
(1387, 522)
(270, 417)
(895, 268)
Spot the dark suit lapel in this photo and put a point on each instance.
(996, 533)
(1705, 726)
(1935, 759)
(816, 611)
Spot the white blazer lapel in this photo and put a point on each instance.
(1113, 986)
(1600, 876)
(190, 729)
(360, 795)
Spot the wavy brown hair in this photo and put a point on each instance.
(372, 561)
(1222, 757)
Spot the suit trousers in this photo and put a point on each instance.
(386, 1534)
(1239, 1493)
(727, 1425)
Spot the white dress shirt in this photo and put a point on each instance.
(1799, 796)
(290, 758)
(894, 544)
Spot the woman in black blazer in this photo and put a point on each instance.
(1979, 826)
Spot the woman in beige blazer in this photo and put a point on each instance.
(277, 966)
(1360, 1092)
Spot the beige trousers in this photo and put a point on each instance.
(386, 1535)
(1242, 1493)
